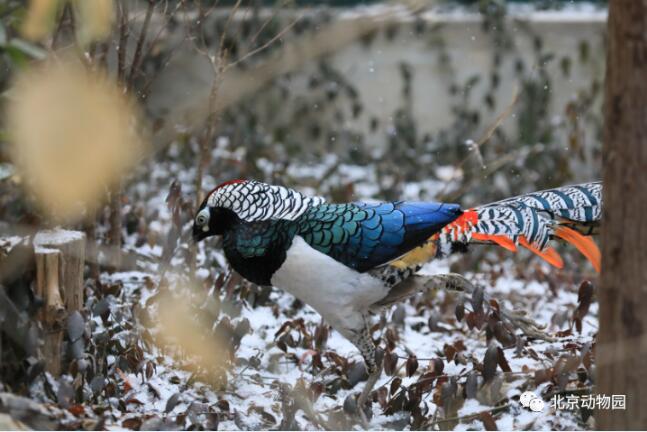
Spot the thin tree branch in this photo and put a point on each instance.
(476, 148)
(269, 20)
(123, 40)
(134, 67)
(59, 27)
(267, 44)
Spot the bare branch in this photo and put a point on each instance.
(159, 32)
(134, 67)
(145, 87)
(219, 67)
(476, 147)
(224, 33)
(269, 20)
(191, 107)
(202, 16)
(123, 40)
(267, 44)
(67, 10)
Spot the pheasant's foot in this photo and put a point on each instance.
(364, 397)
(363, 341)
(362, 417)
(457, 283)
(528, 326)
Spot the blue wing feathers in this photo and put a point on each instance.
(364, 236)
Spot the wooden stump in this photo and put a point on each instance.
(60, 257)
(52, 315)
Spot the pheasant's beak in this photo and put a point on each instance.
(199, 234)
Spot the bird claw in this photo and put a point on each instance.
(364, 400)
(361, 411)
(363, 420)
(457, 283)
(528, 326)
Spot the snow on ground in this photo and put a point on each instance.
(251, 388)
(269, 360)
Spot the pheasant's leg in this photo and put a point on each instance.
(364, 342)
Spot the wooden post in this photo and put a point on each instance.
(52, 315)
(60, 257)
(71, 244)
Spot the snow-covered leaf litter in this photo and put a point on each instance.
(253, 399)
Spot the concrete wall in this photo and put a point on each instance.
(374, 68)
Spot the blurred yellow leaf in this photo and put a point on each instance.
(40, 19)
(179, 328)
(95, 20)
(73, 133)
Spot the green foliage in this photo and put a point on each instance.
(14, 50)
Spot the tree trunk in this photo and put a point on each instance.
(622, 343)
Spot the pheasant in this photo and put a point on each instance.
(350, 260)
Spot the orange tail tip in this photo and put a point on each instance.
(501, 240)
(549, 254)
(584, 244)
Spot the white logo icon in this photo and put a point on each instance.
(537, 405)
(530, 400)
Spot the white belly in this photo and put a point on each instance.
(335, 291)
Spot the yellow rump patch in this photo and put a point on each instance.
(419, 255)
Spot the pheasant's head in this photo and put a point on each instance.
(247, 201)
(216, 214)
(203, 226)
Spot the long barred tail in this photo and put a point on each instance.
(570, 213)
